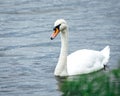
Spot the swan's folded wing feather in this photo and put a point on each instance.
(84, 61)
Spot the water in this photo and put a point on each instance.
(28, 56)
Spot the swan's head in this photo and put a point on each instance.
(59, 26)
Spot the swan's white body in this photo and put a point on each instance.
(81, 61)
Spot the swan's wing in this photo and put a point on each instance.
(84, 61)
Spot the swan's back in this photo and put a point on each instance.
(86, 61)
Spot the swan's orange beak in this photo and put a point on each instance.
(55, 33)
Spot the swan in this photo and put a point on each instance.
(79, 62)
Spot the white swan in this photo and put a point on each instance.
(79, 62)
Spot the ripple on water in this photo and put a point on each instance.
(28, 57)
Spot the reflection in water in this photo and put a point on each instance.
(101, 83)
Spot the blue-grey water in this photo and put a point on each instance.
(28, 56)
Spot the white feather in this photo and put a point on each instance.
(81, 61)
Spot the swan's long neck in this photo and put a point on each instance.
(61, 68)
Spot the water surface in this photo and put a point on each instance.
(28, 57)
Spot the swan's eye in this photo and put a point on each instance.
(57, 27)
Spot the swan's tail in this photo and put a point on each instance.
(106, 54)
